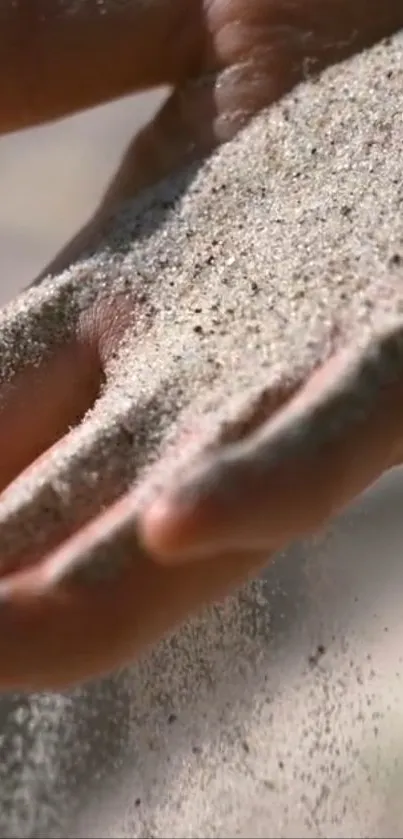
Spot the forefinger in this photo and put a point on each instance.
(288, 477)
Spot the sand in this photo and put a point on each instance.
(243, 273)
(240, 274)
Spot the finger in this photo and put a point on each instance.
(182, 131)
(58, 59)
(49, 376)
(195, 119)
(99, 601)
(332, 440)
(254, 54)
(201, 114)
(317, 34)
(95, 461)
(85, 471)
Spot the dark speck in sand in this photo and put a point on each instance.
(317, 655)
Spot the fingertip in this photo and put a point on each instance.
(171, 531)
(161, 530)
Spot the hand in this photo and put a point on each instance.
(223, 59)
(66, 614)
(296, 468)
(83, 591)
(79, 595)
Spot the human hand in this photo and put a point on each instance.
(87, 581)
(295, 469)
(65, 618)
(79, 594)
(224, 60)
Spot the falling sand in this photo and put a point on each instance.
(241, 274)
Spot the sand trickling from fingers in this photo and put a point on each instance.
(241, 274)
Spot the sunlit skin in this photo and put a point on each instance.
(225, 60)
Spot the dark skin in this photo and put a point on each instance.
(199, 541)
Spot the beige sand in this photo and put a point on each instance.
(240, 272)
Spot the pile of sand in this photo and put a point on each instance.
(242, 272)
